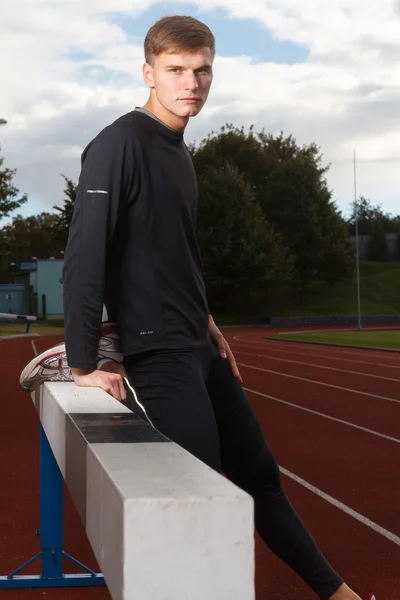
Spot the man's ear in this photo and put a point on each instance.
(148, 74)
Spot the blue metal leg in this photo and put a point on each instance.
(51, 511)
(51, 533)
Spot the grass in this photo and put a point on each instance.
(379, 287)
(385, 339)
(40, 327)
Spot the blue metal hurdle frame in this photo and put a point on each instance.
(28, 319)
(51, 534)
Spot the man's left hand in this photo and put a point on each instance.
(223, 347)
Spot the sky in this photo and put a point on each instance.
(327, 73)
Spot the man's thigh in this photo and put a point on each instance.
(246, 457)
(170, 386)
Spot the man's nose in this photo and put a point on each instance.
(191, 82)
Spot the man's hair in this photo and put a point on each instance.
(177, 34)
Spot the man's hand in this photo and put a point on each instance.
(107, 381)
(223, 347)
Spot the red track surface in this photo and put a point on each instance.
(358, 389)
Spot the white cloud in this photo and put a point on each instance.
(346, 95)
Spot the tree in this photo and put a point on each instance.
(289, 185)
(6, 267)
(66, 211)
(377, 248)
(298, 202)
(337, 251)
(27, 237)
(396, 224)
(9, 194)
(242, 254)
(367, 213)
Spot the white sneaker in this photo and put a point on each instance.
(52, 364)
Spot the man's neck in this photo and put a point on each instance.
(164, 115)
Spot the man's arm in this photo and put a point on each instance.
(100, 198)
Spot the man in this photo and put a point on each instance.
(132, 246)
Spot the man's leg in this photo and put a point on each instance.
(170, 386)
(249, 463)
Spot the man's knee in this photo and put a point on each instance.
(262, 474)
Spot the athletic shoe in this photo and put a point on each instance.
(52, 364)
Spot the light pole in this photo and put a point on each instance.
(359, 326)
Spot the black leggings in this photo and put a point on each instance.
(193, 398)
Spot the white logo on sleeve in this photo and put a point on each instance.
(97, 192)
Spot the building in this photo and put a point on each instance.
(13, 299)
(42, 278)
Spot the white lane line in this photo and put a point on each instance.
(331, 350)
(296, 362)
(325, 416)
(331, 385)
(343, 328)
(35, 352)
(320, 356)
(346, 509)
(326, 348)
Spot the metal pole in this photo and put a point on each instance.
(359, 326)
(44, 306)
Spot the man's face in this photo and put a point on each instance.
(181, 82)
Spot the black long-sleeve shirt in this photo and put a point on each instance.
(132, 243)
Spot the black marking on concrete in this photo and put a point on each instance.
(119, 428)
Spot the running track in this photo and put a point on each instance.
(332, 419)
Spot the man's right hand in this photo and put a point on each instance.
(109, 382)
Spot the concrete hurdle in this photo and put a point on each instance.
(25, 318)
(162, 525)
